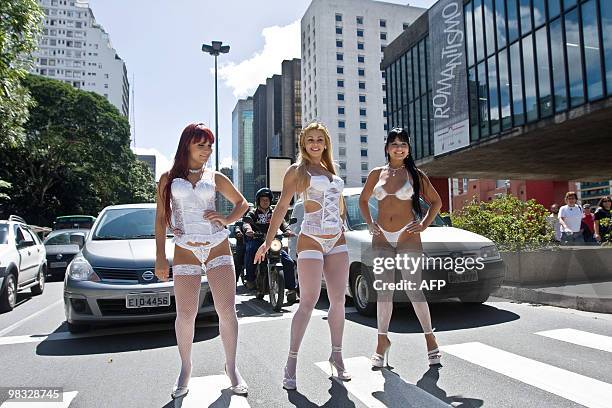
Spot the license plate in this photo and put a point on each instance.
(58, 264)
(160, 299)
(467, 276)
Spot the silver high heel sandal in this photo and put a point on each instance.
(289, 383)
(342, 374)
(179, 391)
(381, 360)
(433, 356)
(241, 388)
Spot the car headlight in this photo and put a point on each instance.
(81, 270)
(490, 253)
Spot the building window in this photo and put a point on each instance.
(363, 125)
(384, 87)
(363, 179)
(338, 17)
(364, 139)
(338, 30)
(341, 124)
(342, 165)
(339, 56)
(339, 70)
(405, 26)
(362, 112)
(364, 152)
(340, 83)
(340, 96)
(361, 71)
(382, 48)
(360, 46)
(340, 110)
(383, 36)
(385, 127)
(341, 137)
(359, 32)
(364, 166)
(342, 151)
(339, 43)
(382, 23)
(361, 85)
(362, 98)
(360, 58)
(359, 20)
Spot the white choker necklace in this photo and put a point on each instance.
(192, 171)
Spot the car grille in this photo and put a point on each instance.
(65, 258)
(122, 274)
(116, 307)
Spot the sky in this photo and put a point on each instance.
(173, 80)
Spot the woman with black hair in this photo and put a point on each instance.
(398, 186)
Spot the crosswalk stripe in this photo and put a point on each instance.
(33, 315)
(382, 388)
(67, 398)
(572, 386)
(581, 338)
(212, 390)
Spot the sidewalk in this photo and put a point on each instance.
(590, 297)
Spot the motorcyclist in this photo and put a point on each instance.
(258, 220)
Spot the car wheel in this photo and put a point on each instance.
(8, 297)
(475, 298)
(40, 287)
(362, 292)
(78, 328)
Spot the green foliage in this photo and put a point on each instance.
(606, 223)
(76, 158)
(509, 222)
(20, 26)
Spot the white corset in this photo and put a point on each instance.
(188, 205)
(326, 220)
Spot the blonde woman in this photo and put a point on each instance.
(186, 202)
(321, 246)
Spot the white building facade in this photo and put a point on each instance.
(75, 49)
(342, 43)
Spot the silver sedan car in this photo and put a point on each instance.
(113, 278)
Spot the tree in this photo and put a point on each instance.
(76, 157)
(20, 26)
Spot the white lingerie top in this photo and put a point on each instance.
(188, 205)
(326, 220)
(405, 192)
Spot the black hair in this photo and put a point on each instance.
(601, 201)
(402, 135)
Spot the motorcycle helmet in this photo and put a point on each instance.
(263, 192)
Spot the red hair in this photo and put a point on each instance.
(192, 134)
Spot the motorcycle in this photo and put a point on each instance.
(270, 277)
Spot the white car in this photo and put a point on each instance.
(23, 261)
(439, 241)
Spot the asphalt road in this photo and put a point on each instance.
(499, 354)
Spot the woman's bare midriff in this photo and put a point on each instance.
(184, 256)
(304, 242)
(393, 216)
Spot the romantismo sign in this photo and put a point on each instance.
(449, 76)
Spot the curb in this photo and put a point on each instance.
(587, 304)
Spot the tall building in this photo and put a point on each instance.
(342, 83)
(77, 50)
(243, 148)
(277, 118)
(150, 160)
(223, 205)
(592, 191)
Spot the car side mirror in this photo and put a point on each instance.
(292, 220)
(447, 220)
(22, 243)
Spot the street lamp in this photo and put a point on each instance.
(215, 49)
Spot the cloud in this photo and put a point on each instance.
(280, 43)
(162, 163)
(225, 162)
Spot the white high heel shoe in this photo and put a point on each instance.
(290, 383)
(381, 360)
(241, 388)
(433, 356)
(342, 374)
(179, 391)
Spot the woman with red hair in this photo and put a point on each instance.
(186, 203)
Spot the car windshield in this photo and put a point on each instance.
(67, 222)
(66, 238)
(4, 234)
(126, 223)
(356, 221)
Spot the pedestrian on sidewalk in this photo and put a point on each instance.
(570, 217)
(321, 246)
(603, 220)
(553, 221)
(588, 225)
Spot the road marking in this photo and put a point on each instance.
(381, 388)
(67, 398)
(212, 390)
(33, 315)
(574, 387)
(581, 338)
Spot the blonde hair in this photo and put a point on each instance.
(304, 159)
